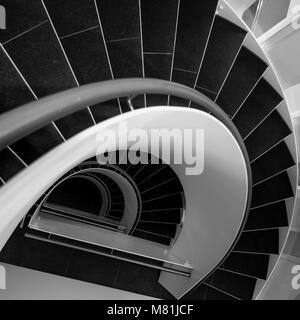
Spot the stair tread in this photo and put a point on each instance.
(37, 144)
(171, 216)
(207, 292)
(169, 187)
(153, 175)
(157, 66)
(262, 100)
(158, 25)
(236, 88)
(10, 165)
(239, 286)
(224, 43)
(255, 265)
(194, 23)
(126, 27)
(267, 135)
(23, 19)
(152, 237)
(167, 202)
(272, 162)
(10, 80)
(274, 189)
(80, 16)
(168, 230)
(266, 217)
(264, 241)
(46, 69)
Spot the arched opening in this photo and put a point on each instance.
(77, 193)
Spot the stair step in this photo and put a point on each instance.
(215, 294)
(267, 217)
(206, 292)
(262, 100)
(169, 187)
(157, 66)
(272, 162)
(194, 23)
(197, 293)
(118, 198)
(158, 25)
(11, 79)
(151, 177)
(116, 214)
(83, 16)
(47, 71)
(195, 20)
(117, 206)
(274, 189)
(134, 169)
(186, 78)
(177, 102)
(237, 87)
(167, 230)
(264, 241)
(169, 216)
(106, 110)
(254, 265)
(239, 286)
(267, 135)
(86, 53)
(123, 35)
(10, 165)
(154, 100)
(167, 202)
(37, 144)
(224, 43)
(152, 237)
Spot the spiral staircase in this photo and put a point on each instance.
(53, 46)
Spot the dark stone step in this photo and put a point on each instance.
(239, 286)
(264, 241)
(247, 70)
(267, 135)
(272, 162)
(274, 189)
(254, 265)
(224, 43)
(262, 100)
(269, 216)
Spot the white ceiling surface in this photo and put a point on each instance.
(240, 6)
(284, 55)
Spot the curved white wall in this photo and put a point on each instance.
(216, 199)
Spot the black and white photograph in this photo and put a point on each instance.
(149, 153)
